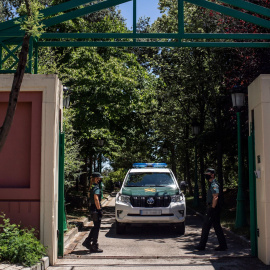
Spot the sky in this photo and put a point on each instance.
(145, 8)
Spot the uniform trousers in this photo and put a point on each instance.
(212, 217)
(93, 235)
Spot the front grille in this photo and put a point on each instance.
(150, 201)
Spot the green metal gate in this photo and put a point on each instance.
(252, 190)
(12, 35)
(62, 225)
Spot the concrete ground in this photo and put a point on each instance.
(154, 247)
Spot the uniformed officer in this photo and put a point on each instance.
(212, 216)
(91, 241)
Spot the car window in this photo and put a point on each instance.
(149, 179)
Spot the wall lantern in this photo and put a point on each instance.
(66, 98)
(238, 100)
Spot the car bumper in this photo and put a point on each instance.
(126, 213)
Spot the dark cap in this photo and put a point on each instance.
(96, 174)
(209, 170)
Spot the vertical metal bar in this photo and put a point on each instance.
(1, 55)
(36, 58)
(61, 207)
(196, 189)
(252, 192)
(181, 26)
(240, 207)
(134, 18)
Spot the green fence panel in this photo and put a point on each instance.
(61, 199)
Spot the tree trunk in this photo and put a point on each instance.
(201, 152)
(219, 153)
(188, 173)
(173, 161)
(187, 161)
(91, 164)
(84, 178)
(202, 169)
(219, 170)
(15, 90)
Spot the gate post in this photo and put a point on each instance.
(29, 188)
(61, 199)
(252, 189)
(259, 113)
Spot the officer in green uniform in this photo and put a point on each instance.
(212, 216)
(91, 241)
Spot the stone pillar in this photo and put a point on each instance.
(259, 106)
(51, 91)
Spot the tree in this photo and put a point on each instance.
(207, 98)
(73, 160)
(182, 98)
(32, 27)
(110, 93)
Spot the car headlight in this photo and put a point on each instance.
(123, 198)
(177, 198)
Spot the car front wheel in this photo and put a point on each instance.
(120, 227)
(180, 228)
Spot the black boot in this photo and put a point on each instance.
(95, 249)
(221, 248)
(87, 243)
(199, 247)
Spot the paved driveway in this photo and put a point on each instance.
(155, 247)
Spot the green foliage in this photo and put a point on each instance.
(73, 160)
(19, 245)
(9, 8)
(182, 98)
(110, 92)
(31, 24)
(48, 59)
(116, 96)
(114, 177)
(2, 16)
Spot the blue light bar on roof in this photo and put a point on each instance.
(159, 165)
(153, 165)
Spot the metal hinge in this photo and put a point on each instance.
(258, 232)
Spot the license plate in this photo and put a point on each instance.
(150, 212)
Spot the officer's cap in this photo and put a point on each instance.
(210, 170)
(96, 174)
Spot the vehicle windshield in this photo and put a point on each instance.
(149, 179)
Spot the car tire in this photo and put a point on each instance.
(120, 227)
(180, 228)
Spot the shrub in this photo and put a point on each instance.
(19, 245)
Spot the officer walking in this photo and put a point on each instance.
(212, 216)
(91, 241)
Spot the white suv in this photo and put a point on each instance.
(150, 194)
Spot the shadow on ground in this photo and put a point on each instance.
(160, 233)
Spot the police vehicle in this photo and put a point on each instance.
(150, 194)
